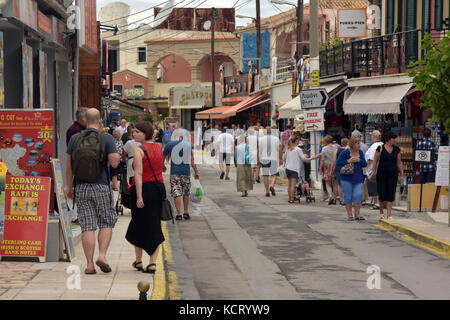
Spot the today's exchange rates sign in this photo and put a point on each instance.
(26, 216)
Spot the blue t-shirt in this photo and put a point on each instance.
(180, 157)
(167, 136)
(357, 176)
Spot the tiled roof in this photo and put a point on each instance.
(202, 38)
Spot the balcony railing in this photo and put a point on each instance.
(387, 54)
(284, 70)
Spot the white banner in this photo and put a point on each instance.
(352, 23)
(442, 166)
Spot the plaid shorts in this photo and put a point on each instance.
(95, 205)
(180, 185)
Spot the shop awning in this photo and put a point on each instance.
(188, 107)
(334, 88)
(290, 109)
(376, 100)
(228, 112)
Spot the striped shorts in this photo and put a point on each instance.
(95, 205)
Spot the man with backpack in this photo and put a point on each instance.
(89, 154)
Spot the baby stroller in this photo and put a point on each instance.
(124, 193)
(303, 188)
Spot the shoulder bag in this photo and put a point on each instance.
(348, 169)
(166, 208)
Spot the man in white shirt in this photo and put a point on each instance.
(370, 154)
(123, 127)
(270, 153)
(253, 146)
(226, 150)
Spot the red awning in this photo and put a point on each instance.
(228, 112)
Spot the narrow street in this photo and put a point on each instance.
(265, 248)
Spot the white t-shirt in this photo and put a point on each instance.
(226, 143)
(122, 130)
(294, 159)
(269, 147)
(129, 149)
(370, 155)
(253, 146)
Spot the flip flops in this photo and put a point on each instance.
(87, 271)
(103, 266)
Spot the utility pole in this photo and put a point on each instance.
(258, 37)
(213, 71)
(299, 30)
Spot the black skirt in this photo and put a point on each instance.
(386, 186)
(145, 230)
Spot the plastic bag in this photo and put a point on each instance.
(196, 191)
(282, 172)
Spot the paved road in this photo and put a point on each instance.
(265, 248)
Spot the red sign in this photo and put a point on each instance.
(27, 141)
(25, 216)
(44, 23)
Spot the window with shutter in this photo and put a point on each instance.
(438, 13)
(426, 21)
(390, 17)
(411, 37)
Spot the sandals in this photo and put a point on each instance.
(360, 218)
(272, 190)
(148, 270)
(135, 265)
(186, 216)
(350, 219)
(179, 217)
(103, 266)
(87, 271)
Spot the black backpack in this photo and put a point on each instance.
(88, 155)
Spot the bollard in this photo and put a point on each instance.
(143, 287)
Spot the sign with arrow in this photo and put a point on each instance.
(314, 120)
(314, 98)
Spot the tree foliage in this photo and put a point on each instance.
(432, 76)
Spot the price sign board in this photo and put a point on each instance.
(25, 210)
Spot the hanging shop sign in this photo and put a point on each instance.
(25, 210)
(27, 141)
(63, 209)
(352, 23)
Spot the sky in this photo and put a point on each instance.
(244, 7)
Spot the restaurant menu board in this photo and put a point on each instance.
(26, 205)
(27, 142)
(64, 217)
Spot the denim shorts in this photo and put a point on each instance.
(352, 192)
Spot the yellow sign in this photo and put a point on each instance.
(3, 169)
(20, 205)
(315, 78)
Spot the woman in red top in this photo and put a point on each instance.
(144, 231)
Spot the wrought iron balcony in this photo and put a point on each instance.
(387, 54)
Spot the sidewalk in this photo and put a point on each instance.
(421, 229)
(48, 281)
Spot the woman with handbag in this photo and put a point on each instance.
(352, 161)
(147, 195)
(244, 180)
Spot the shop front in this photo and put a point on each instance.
(186, 102)
(391, 103)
